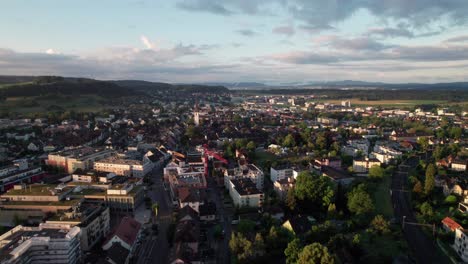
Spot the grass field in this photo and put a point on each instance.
(396, 103)
(26, 105)
(381, 195)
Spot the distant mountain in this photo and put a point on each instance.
(235, 84)
(189, 88)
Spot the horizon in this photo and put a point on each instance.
(269, 42)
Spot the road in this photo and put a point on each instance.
(155, 248)
(217, 195)
(423, 247)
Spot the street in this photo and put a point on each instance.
(422, 246)
(155, 248)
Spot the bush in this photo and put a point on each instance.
(451, 199)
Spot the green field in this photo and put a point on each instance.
(381, 195)
(27, 105)
(387, 103)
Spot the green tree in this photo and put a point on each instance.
(376, 172)
(246, 226)
(429, 182)
(315, 253)
(291, 199)
(315, 189)
(289, 141)
(456, 132)
(359, 201)
(331, 212)
(423, 143)
(379, 225)
(451, 199)
(250, 146)
(241, 247)
(259, 244)
(292, 251)
(426, 209)
(418, 187)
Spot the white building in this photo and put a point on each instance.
(244, 193)
(125, 167)
(43, 244)
(461, 244)
(280, 173)
(245, 171)
(363, 165)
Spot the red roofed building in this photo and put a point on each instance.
(450, 225)
(126, 234)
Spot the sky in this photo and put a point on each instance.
(267, 41)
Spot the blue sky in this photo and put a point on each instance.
(270, 41)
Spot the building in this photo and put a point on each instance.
(280, 172)
(245, 171)
(450, 225)
(121, 244)
(43, 244)
(283, 186)
(77, 158)
(458, 165)
(18, 172)
(461, 244)
(93, 219)
(125, 167)
(244, 193)
(363, 165)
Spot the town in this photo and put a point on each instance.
(223, 177)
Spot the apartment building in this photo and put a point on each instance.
(125, 167)
(244, 193)
(93, 219)
(461, 244)
(18, 172)
(363, 165)
(58, 244)
(249, 171)
(78, 158)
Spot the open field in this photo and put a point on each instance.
(26, 105)
(396, 103)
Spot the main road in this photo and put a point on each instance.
(155, 248)
(423, 247)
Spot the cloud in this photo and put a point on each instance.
(284, 30)
(458, 39)
(317, 13)
(355, 44)
(247, 32)
(51, 52)
(391, 32)
(147, 42)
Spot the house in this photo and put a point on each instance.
(363, 165)
(282, 187)
(280, 172)
(458, 165)
(117, 254)
(337, 176)
(207, 211)
(331, 162)
(460, 244)
(450, 225)
(191, 197)
(299, 225)
(126, 234)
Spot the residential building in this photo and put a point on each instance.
(125, 167)
(18, 172)
(126, 234)
(283, 186)
(280, 172)
(43, 244)
(78, 158)
(244, 193)
(461, 244)
(92, 218)
(363, 165)
(450, 225)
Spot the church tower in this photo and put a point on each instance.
(196, 115)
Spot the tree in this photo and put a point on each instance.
(250, 146)
(314, 189)
(456, 132)
(315, 253)
(292, 251)
(241, 247)
(418, 187)
(259, 244)
(289, 141)
(429, 182)
(331, 212)
(359, 201)
(291, 200)
(379, 225)
(376, 172)
(451, 199)
(245, 226)
(424, 143)
(277, 239)
(426, 209)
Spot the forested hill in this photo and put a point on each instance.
(14, 86)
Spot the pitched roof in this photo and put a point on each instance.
(128, 230)
(450, 223)
(117, 254)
